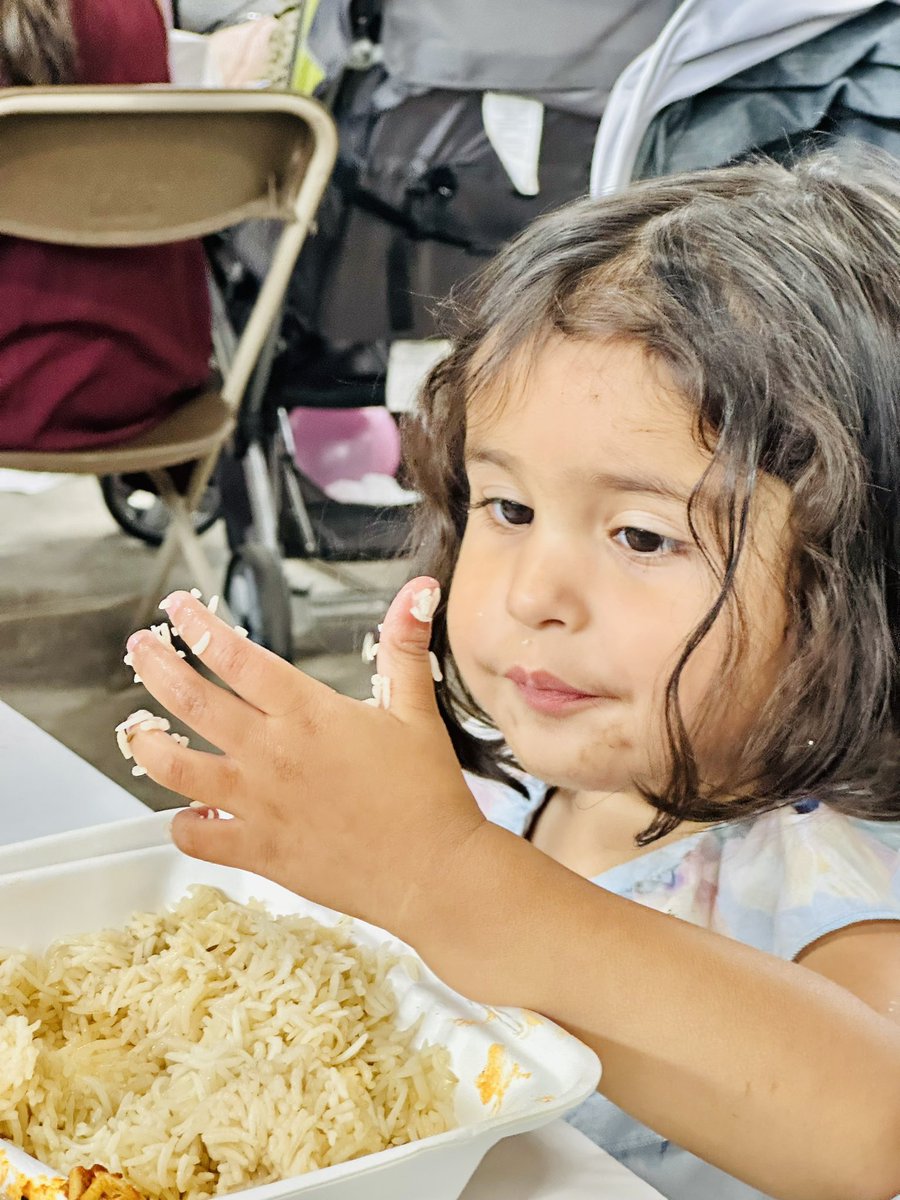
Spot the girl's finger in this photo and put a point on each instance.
(405, 681)
(257, 675)
(212, 779)
(213, 841)
(223, 719)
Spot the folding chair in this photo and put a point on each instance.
(116, 166)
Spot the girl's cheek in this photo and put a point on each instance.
(470, 632)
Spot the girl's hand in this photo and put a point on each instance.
(359, 808)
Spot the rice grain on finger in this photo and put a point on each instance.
(425, 602)
(201, 644)
(203, 809)
(369, 648)
(142, 719)
(381, 690)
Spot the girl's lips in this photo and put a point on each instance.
(547, 694)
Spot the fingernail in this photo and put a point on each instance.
(425, 602)
(171, 605)
(138, 638)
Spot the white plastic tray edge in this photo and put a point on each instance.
(91, 841)
(470, 1142)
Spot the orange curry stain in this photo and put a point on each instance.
(13, 1184)
(464, 1022)
(494, 1080)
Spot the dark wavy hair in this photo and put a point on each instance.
(773, 297)
(37, 43)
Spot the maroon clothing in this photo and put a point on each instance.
(97, 345)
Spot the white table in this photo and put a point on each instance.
(554, 1163)
(45, 789)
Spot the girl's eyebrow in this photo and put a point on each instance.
(640, 482)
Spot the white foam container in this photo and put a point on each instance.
(547, 1072)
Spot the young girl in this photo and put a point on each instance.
(661, 475)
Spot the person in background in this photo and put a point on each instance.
(96, 345)
(205, 16)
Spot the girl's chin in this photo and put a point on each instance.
(555, 753)
(556, 770)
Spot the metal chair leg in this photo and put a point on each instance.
(180, 539)
(165, 561)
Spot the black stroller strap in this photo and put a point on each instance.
(399, 285)
(365, 19)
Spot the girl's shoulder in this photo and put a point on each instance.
(778, 881)
(784, 879)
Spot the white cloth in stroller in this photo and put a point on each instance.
(704, 43)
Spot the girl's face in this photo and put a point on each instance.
(578, 581)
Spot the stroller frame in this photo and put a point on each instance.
(285, 516)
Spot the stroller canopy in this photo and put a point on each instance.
(704, 43)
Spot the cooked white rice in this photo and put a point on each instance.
(209, 1048)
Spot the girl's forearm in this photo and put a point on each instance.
(759, 1066)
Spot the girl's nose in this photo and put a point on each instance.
(547, 584)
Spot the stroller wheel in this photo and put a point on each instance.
(259, 598)
(144, 515)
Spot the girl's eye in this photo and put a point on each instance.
(507, 512)
(644, 541)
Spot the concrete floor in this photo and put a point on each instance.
(69, 587)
